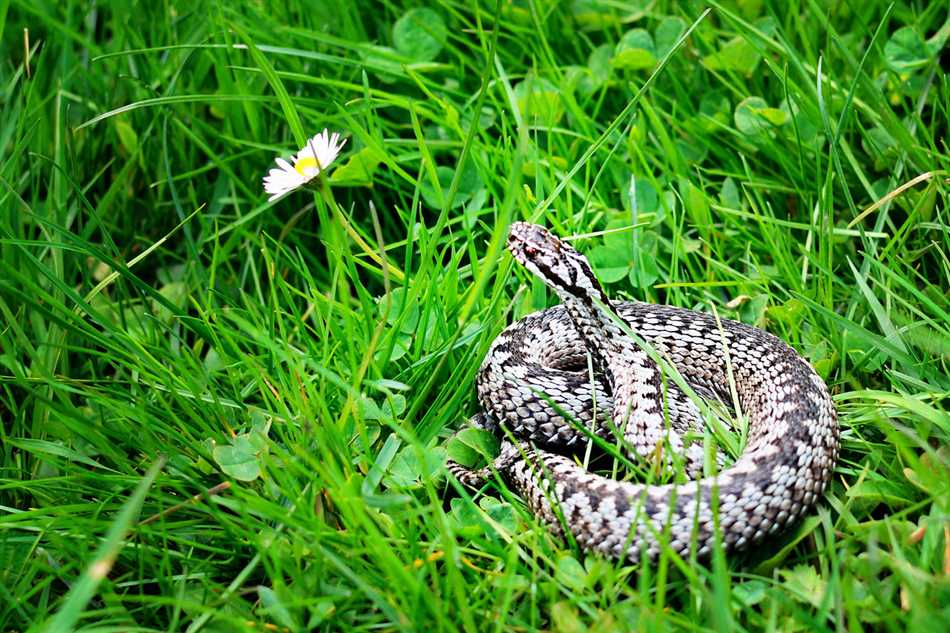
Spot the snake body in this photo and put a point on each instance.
(536, 391)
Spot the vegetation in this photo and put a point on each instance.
(224, 414)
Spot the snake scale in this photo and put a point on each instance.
(535, 381)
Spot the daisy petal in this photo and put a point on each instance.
(310, 161)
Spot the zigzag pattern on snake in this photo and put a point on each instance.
(534, 379)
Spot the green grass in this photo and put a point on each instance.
(220, 414)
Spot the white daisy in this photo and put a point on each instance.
(316, 156)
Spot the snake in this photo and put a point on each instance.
(591, 367)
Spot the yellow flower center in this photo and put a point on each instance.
(307, 162)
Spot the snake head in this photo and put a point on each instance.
(556, 262)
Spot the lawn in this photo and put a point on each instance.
(221, 413)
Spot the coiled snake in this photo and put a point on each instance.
(534, 382)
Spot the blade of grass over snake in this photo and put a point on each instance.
(103, 558)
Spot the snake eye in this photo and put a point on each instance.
(530, 251)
